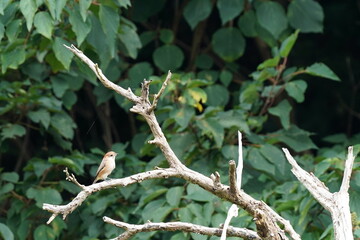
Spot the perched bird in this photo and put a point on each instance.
(107, 165)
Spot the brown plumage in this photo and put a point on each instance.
(107, 165)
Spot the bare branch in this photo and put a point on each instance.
(336, 203)
(106, 82)
(72, 178)
(240, 162)
(216, 178)
(313, 184)
(232, 178)
(132, 229)
(266, 223)
(235, 185)
(232, 212)
(287, 225)
(347, 171)
(65, 210)
(161, 91)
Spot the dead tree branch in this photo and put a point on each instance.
(132, 229)
(265, 219)
(336, 203)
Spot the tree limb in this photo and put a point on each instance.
(336, 203)
(266, 224)
(132, 229)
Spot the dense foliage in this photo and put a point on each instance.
(261, 67)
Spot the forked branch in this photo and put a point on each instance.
(338, 203)
(266, 220)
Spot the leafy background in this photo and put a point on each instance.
(270, 69)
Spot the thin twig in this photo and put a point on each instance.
(72, 178)
(161, 91)
(347, 171)
(232, 178)
(240, 162)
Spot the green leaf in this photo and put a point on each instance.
(12, 131)
(13, 29)
(249, 94)
(59, 5)
(247, 24)
(211, 127)
(296, 138)
(63, 161)
(10, 177)
(306, 15)
(182, 143)
(282, 110)
(129, 37)
(110, 21)
(217, 94)
(288, 44)
(229, 9)
(44, 195)
(321, 70)
(61, 53)
(5, 188)
(138, 72)
(147, 37)
(272, 17)
(44, 24)
(148, 211)
(51, 5)
(194, 97)
(226, 77)
(204, 61)
(5, 232)
(304, 208)
(59, 85)
(100, 205)
(233, 118)
(355, 202)
(28, 9)
(63, 124)
(271, 62)
(182, 116)
(173, 196)
(257, 161)
(196, 11)
(196, 193)
(166, 36)
(13, 58)
(80, 27)
(296, 89)
(153, 195)
(336, 138)
(178, 236)
(2, 31)
(69, 99)
(40, 116)
(275, 156)
(185, 214)
(84, 6)
(196, 236)
(266, 36)
(168, 57)
(228, 43)
(44, 232)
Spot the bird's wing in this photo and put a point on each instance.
(102, 165)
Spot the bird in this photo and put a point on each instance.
(107, 165)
